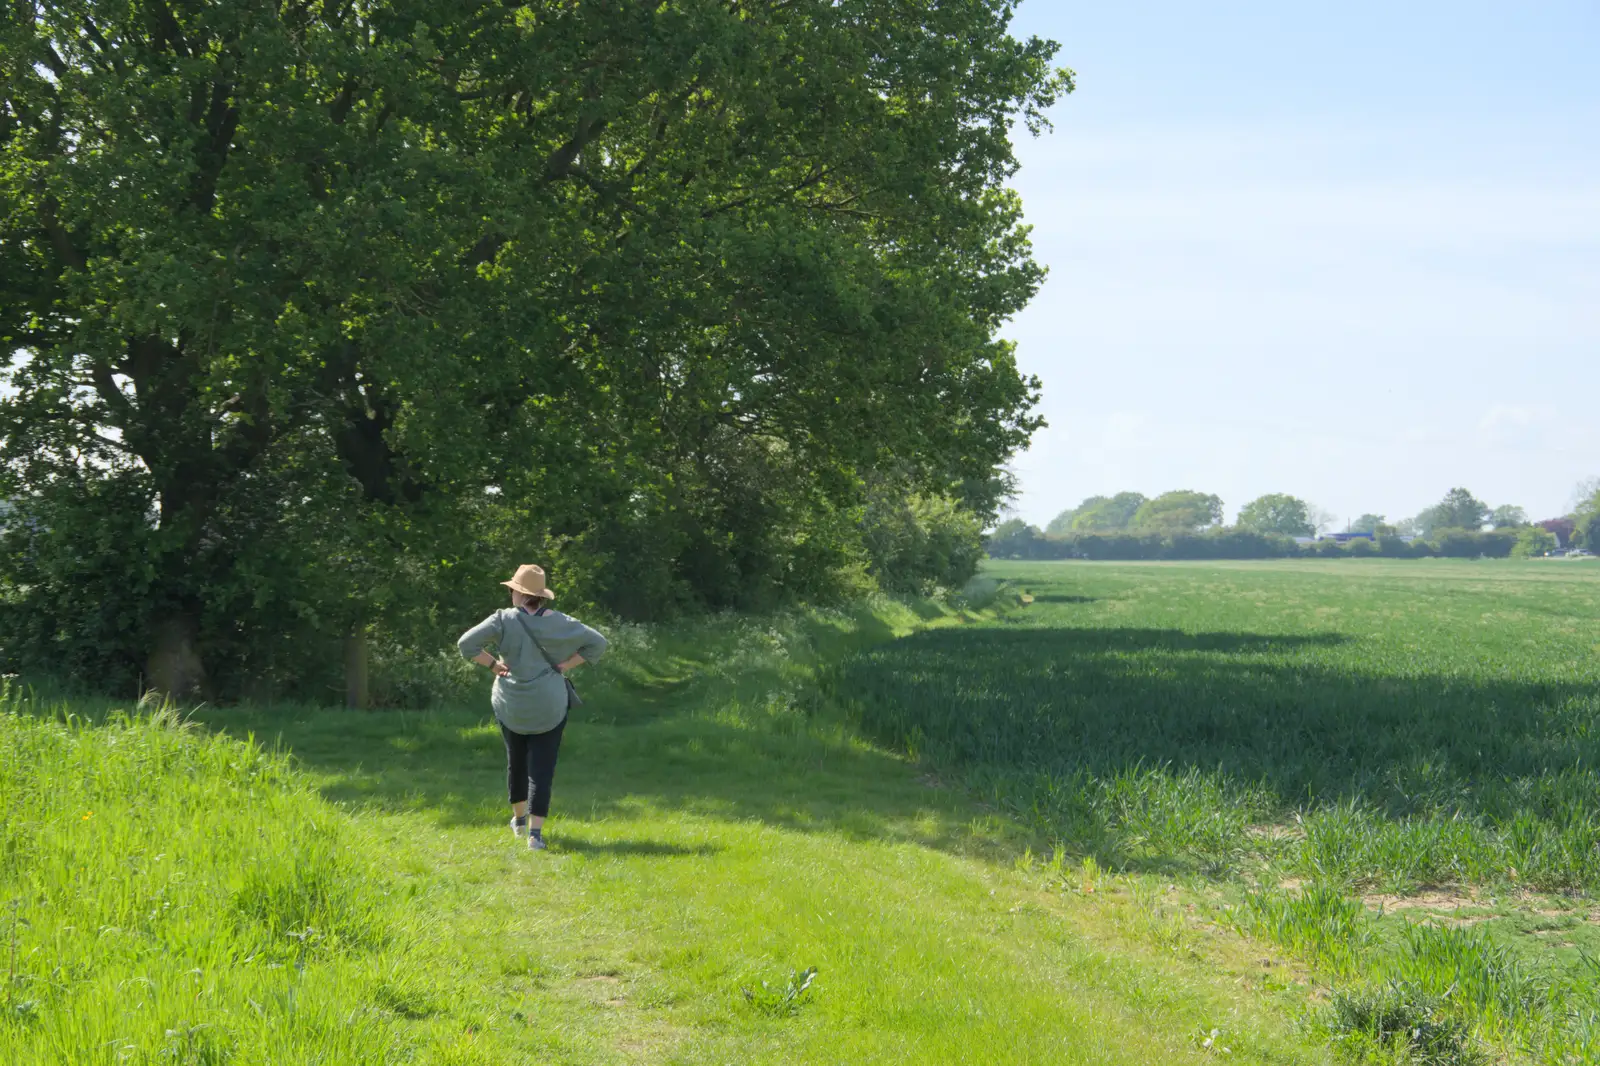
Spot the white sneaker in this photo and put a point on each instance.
(519, 827)
(536, 841)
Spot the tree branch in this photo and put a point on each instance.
(60, 239)
(105, 386)
(171, 32)
(53, 60)
(345, 101)
(92, 32)
(559, 163)
(222, 121)
(606, 191)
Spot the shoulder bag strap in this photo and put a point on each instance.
(572, 690)
(526, 628)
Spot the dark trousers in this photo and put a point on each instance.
(531, 757)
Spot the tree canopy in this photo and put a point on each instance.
(1062, 522)
(1586, 516)
(1560, 528)
(1508, 516)
(1459, 509)
(326, 313)
(1277, 513)
(1181, 510)
(1013, 539)
(1534, 541)
(1107, 514)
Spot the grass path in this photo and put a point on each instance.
(708, 836)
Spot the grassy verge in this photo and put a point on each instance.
(157, 880)
(348, 892)
(1387, 767)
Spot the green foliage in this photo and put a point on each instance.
(1368, 523)
(1587, 531)
(918, 544)
(325, 317)
(1179, 511)
(1394, 546)
(1061, 524)
(1451, 543)
(1277, 513)
(1532, 542)
(1022, 542)
(1107, 514)
(1508, 516)
(1586, 517)
(1016, 539)
(1458, 510)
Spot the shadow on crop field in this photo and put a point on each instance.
(1248, 704)
(1192, 741)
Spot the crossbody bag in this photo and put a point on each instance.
(573, 699)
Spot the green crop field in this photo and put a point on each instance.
(1305, 736)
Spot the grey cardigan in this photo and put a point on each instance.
(532, 698)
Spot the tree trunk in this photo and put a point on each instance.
(174, 668)
(355, 670)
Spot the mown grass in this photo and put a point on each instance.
(1316, 732)
(293, 885)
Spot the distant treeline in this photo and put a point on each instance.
(1185, 524)
(1018, 541)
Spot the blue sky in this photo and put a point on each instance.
(1349, 252)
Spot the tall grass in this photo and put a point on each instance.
(1321, 924)
(174, 896)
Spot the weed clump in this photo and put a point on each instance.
(1399, 1022)
(781, 1001)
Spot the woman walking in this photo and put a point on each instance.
(537, 648)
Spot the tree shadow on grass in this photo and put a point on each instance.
(694, 751)
(1301, 718)
(653, 848)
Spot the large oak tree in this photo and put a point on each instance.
(305, 297)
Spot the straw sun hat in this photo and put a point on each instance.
(529, 580)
